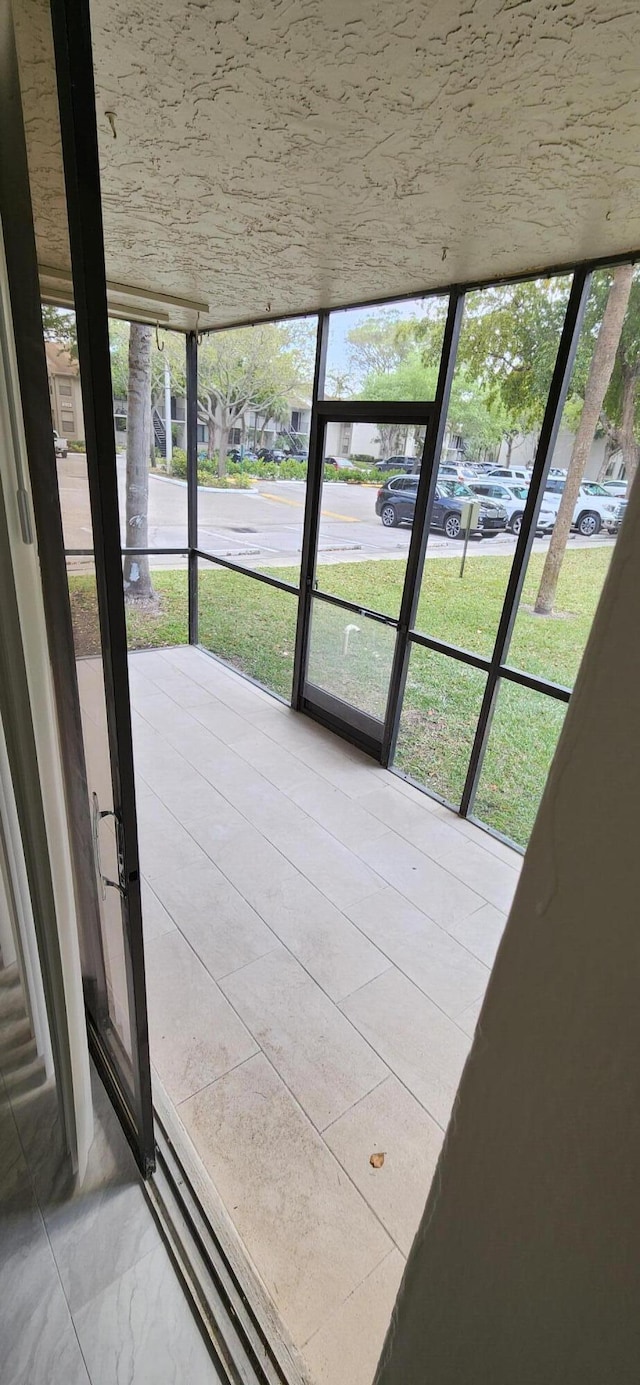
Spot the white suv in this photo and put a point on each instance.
(60, 445)
(519, 475)
(514, 499)
(595, 508)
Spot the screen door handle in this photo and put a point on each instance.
(97, 815)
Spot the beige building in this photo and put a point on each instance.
(64, 392)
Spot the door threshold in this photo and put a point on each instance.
(233, 1307)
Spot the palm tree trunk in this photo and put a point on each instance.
(627, 434)
(600, 370)
(137, 578)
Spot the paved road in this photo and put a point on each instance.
(262, 527)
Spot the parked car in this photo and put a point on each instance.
(60, 445)
(270, 454)
(450, 471)
(235, 454)
(398, 464)
(514, 499)
(618, 488)
(519, 474)
(396, 503)
(595, 509)
(340, 463)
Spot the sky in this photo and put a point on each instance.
(343, 321)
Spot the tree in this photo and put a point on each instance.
(480, 420)
(379, 344)
(137, 577)
(621, 413)
(246, 368)
(338, 384)
(597, 384)
(59, 325)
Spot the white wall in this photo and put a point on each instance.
(524, 450)
(526, 1267)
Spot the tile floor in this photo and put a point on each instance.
(318, 940)
(88, 1293)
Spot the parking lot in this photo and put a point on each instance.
(262, 527)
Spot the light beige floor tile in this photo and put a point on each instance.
(213, 830)
(320, 1056)
(335, 953)
(481, 932)
(193, 1031)
(389, 1121)
(257, 869)
(155, 919)
(508, 854)
(469, 1017)
(336, 871)
(445, 969)
(386, 917)
(483, 872)
(272, 760)
(306, 847)
(433, 835)
(226, 724)
(165, 846)
(396, 810)
(309, 1232)
(340, 815)
(424, 800)
(341, 764)
(347, 1349)
(442, 968)
(441, 896)
(180, 687)
(221, 927)
(189, 796)
(424, 1048)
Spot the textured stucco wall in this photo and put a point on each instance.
(280, 155)
(526, 1266)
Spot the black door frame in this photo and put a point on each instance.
(362, 729)
(78, 128)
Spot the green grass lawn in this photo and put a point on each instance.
(253, 627)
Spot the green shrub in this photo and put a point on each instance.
(224, 483)
(360, 478)
(269, 471)
(179, 463)
(352, 478)
(78, 445)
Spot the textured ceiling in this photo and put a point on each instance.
(278, 155)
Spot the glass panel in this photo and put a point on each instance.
(387, 352)
(254, 409)
(153, 498)
(108, 929)
(506, 354)
(350, 657)
(523, 737)
(161, 620)
(248, 624)
(439, 717)
(366, 516)
(553, 622)
(111, 994)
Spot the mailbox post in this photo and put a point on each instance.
(469, 520)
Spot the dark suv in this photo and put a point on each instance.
(396, 464)
(396, 503)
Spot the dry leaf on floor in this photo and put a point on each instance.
(376, 1161)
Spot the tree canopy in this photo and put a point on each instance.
(249, 368)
